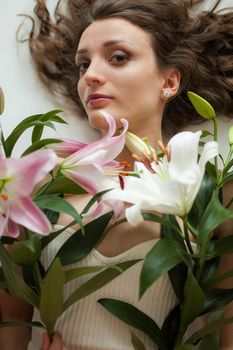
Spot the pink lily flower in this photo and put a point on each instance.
(18, 179)
(93, 166)
(86, 166)
(67, 147)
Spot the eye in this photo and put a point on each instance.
(82, 67)
(119, 57)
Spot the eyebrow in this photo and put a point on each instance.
(106, 44)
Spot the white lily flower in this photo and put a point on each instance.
(175, 183)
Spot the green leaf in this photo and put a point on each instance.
(216, 298)
(205, 133)
(51, 299)
(40, 144)
(171, 228)
(201, 202)
(177, 274)
(60, 205)
(81, 271)
(178, 277)
(79, 246)
(210, 268)
(52, 216)
(165, 254)
(93, 200)
(61, 184)
(202, 106)
(219, 278)
(2, 101)
(170, 326)
(185, 347)
(26, 252)
(18, 131)
(134, 317)
(45, 240)
(38, 129)
(52, 117)
(222, 246)
(3, 284)
(208, 329)
(97, 282)
(15, 283)
(8, 240)
(192, 306)
(136, 342)
(227, 167)
(20, 128)
(213, 216)
(162, 220)
(211, 340)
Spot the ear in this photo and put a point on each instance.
(171, 83)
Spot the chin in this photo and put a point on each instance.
(97, 121)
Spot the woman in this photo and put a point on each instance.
(134, 59)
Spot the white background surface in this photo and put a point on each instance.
(24, 94)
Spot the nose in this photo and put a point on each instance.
(94, 75)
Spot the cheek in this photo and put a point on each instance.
(80, 89)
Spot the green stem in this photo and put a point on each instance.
(186, 235)
(216, 139)
(37, 275)
(229, 156)
(226, 165)
(36, 270)
(45, 187)
(229, 203)
(200, 269)
(179, 339)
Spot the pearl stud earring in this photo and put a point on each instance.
(166, 93)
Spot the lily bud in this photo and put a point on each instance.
(140, 149)
(202, 106)
(230, 136)
(2, 103)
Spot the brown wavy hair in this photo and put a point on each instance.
(200, 47)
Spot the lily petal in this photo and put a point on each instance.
(12, 229)
(184, 153)
(27, 171)
(26, 213)
(67, 147)
(133, 214)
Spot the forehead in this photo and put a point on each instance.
(114, 29)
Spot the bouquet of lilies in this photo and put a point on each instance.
(183, 181)
(32, 189)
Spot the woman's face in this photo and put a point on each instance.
(118, 74)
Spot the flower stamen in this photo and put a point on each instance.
(5, 197)
(168, 153)
(162, 147)
(121, 181)
(126, 164)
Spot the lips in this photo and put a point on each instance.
(96, 97)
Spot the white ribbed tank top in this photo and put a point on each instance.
(86, 325)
